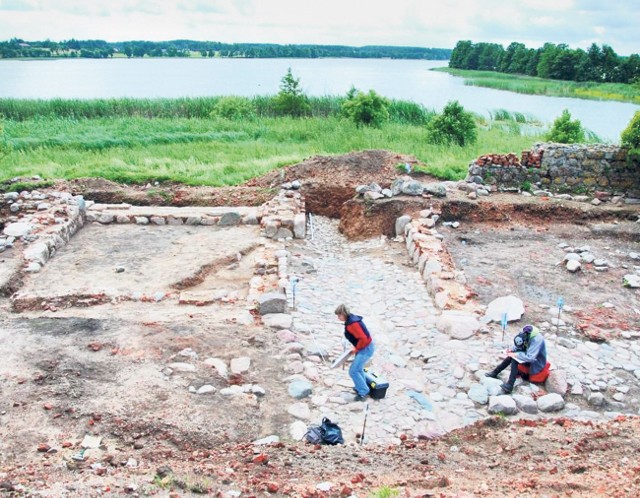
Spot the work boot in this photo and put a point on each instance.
(491, 374)
(506, 388)
(360, 398)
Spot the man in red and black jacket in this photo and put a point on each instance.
(356, 332)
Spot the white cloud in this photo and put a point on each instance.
(350, 22)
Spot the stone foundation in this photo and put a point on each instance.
(35, 225)
(560, 168)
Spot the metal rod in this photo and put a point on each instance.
(364, 425)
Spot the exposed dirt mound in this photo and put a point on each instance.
(101, 190)
(329, 181)
(350, 169)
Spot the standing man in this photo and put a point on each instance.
(528, 358)
(355, 331)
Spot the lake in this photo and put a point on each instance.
(397, 79)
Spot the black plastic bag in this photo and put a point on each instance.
(331, 433)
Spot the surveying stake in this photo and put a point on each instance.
(503, 322)
(294, 284)
(560, 306)
(364, 426)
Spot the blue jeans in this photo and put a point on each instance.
(356, 370)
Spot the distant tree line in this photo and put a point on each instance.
(99, 49)
(558, 62)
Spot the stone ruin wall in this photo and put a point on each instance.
(35, 225)
(560, 168)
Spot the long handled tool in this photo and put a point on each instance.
(364, 425)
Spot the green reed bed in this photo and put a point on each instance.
(554, 88)
(137, 140)
(202, 108)
(216, 151)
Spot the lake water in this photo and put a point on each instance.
(398, 79)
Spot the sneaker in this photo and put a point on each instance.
(493, 375)
(360, 398)
(506, 388)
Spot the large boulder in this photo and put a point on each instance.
(401, 222)
(525, 404)
(300, 389)
(511, 305)
(436, 189)
(551, 403)
(631, 280)
(458, 325)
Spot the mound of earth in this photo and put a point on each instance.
(163, 194)
(329, 181)
(351, 169)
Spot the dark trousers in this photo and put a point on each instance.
(514, 369)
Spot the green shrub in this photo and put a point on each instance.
(566, 131)
(453, 126)
(368, 109)
(291, 101)
(630, 136)
(526, 186)
(233, 107)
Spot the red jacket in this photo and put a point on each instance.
(356, 332)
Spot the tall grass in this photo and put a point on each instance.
(216, 151)
(555, 88)
(189, 108)
(516, 117)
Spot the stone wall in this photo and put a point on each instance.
(560, 168)
(35, 225)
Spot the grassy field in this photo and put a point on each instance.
(553, 88)
(215, 151)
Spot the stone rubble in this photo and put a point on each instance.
(437, 382)
(431, 345)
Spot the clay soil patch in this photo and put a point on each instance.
(105, 262)
(526, 261)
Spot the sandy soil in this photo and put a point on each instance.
(526, 261)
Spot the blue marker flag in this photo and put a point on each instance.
(504, 321)
(560, 303)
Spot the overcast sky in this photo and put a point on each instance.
(422, 23)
